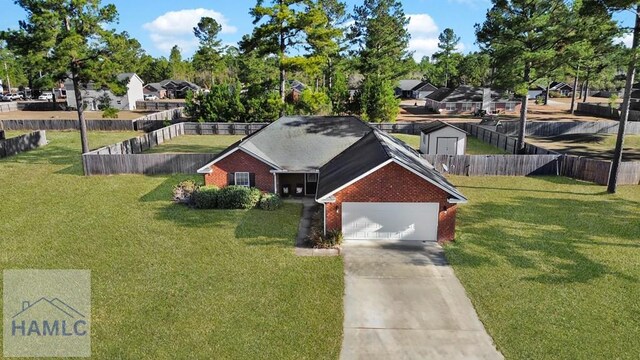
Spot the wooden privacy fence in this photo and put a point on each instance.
(141, 123)
(6, 107)
(496, 165)
(554, 128)
(126, 157)
(606, 111)
(502, 141)
(596, 171)
(159, 105)
(13, 146)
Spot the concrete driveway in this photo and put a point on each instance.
(403, 301)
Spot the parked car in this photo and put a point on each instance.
(11, 97)
(46, 96)
(150, 97)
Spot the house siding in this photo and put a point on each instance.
(393, 183)
(240, 161)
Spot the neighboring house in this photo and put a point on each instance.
(371, 185)
(91, 95)
(536, 91)
(563, 88)
(422, 90)
(441, 138)
(405, 88)
(172, 89)
(354, 82)
(296, 90)
(155, 89)
(468, 99)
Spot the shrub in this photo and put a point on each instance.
(183, 192)
(206, 197)
(270, 202)
(238, 197)
(317, 239)
(110, 113)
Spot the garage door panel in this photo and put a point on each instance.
(390, 221)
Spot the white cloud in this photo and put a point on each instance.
(423, 47)
(626, 39)
(176, 28)
(421, 24)
(424, 36)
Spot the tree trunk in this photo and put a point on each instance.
(523, 111)
(575, 90)
(546, 94)
(624, 114)
(80, 109)
(283, 75)
(586, 86)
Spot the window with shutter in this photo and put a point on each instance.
(242, 179)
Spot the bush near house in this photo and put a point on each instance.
(110, 113)
(316, 237)
(270, 202)
(238, 197)
(206, 197)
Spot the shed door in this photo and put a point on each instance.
(446, 146)
(390, 221)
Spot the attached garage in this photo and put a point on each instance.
(390, 221)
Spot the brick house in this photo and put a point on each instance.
(468, 99)
(371, 185)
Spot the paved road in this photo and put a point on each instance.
(404, 302)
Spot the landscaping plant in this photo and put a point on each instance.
(238, 197)
(270, 202)
(206, 197)
(183, 192)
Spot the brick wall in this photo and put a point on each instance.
(240, 161)
(393, 183)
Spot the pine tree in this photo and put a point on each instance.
(447, 43)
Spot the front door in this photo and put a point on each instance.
(446, 146)
(311, 181)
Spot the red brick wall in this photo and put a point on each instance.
(240, 161)
(393, 183)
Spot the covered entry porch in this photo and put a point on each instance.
(295, 184)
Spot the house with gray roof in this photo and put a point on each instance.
(93, 94)
(414, 89)
(370, 185)
(171, 89)
(469, 99)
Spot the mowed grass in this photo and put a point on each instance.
(196, 144)
(597, 146)
(551, 265)
(168, 282)
(474, 145)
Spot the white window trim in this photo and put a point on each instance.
(235, 179)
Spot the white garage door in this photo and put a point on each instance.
(390, 221)
(446, 146)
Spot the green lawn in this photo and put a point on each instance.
(196, 144)
(551, 265)
(596, 146)
(168, 282)
(474, 145)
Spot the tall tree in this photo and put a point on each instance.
(522, 36)
(380, 37)
(208, 57)
(279, 28)
(447, 43)
(180, 69)
(609, 6)
(70, 38)
(473, 69)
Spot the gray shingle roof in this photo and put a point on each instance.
(437, 125)
(372, 150)
(303, 143)
(408, 85)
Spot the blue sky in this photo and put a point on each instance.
(160, 24)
